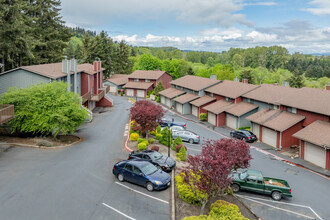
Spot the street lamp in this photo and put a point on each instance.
(169, 142)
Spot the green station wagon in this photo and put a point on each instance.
(252, 180)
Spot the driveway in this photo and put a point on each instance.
(77, 182)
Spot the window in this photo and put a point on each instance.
(292, 110)
(276, 107)
(129, 167)
(147, 80)
(136, 80)
(136, 170)
(228, 99)
(211, 94)
(146, 157)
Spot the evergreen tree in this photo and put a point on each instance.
(123, 63)
(296, 80)
(159, 87)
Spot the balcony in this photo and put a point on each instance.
(86, 97)
(6, 113)
(98, 97)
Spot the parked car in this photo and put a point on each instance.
(159, 160)
(245, 135)
(189, 136)
(175, 128)
(170, 122)
(142, 173)
(254, 181)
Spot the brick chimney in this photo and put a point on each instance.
(327, 87)
(245, 81)
(97, 64)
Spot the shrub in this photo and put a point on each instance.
(158, 99)
(151, 140)
(146, 142)
(182, 154)
(185, 193)
(135, 128)
(177, 149)
(142, 146)
(165, 140)
(153, 132)
(201, 217)
(147, 96)
(158, 129)
(245, 128)
(155, 148)
(118, 90)
(121, 93)
(141, 140)
(44, 143)
(134, 136)
(202, 116)
(159, 136)
(225, 210)
(177, 141)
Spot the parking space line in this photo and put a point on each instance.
(118, 211)
(142, 193)
(285, 210)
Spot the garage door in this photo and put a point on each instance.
(269, 136)
(255, 129)
(194, 110)
(140, 93)
(168, 102)
(211, 118)
(130, 92)
(231, 121)
(113, 88)
(162, 100)
(179, 107)
(315, 154)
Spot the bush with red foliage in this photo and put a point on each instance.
(177, 148)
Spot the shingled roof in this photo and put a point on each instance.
(118, 79)
(137, 85)
(241, 108)
(218, 107)
(316, 133)
(147, 74)
(186, 98)
(195, 83)
(231, 89)
(275, 119)
(171, 92)
(202, 101)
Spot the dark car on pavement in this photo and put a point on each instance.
(245, 135)
(165, 163)
(142, 173)
(170, 122)
(189, 136)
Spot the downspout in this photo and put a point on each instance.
(280, 140)
(68, 69)
(75, 74)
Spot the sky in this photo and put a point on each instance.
(207, 25)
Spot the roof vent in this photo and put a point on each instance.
(285, 83)
(213, 76)
(236, 79)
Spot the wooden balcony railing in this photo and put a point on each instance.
(99, 96)
(86, 96)
(6, 113)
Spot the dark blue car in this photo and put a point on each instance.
(142, 173)
(169, 123)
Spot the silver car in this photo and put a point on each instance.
(189, 136)
(175, 128)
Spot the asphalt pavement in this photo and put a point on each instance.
(77, 182)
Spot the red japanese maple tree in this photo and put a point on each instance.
(146, 114)
(209, 171)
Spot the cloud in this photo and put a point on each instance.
(322, 7)
(293, 37)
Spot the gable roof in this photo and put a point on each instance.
(315, 133)
(186, 98)
(241, 108)
(171, 92)
(118, 79)
(202, 101)
(218, 107)
(147, 74)
(269, 93)
(195, 83)
(310, 99)
(138, 85)
(275, 119)
(54, 70)
(231, 89)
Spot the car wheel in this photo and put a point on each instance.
(150, 187)
(276, 195)
(191, 141)
(235, 188)
(231, 134)
(120, 177)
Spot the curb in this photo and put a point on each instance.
(173, 197)
(243, 203)
(42, 147)
(129, 128)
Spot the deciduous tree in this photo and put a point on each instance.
(209, 171)
(146, 114)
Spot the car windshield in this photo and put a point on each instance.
(148, 169)
(247, 132)
(243, 175)
(156, 155)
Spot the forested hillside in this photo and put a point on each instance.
(33, 32)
